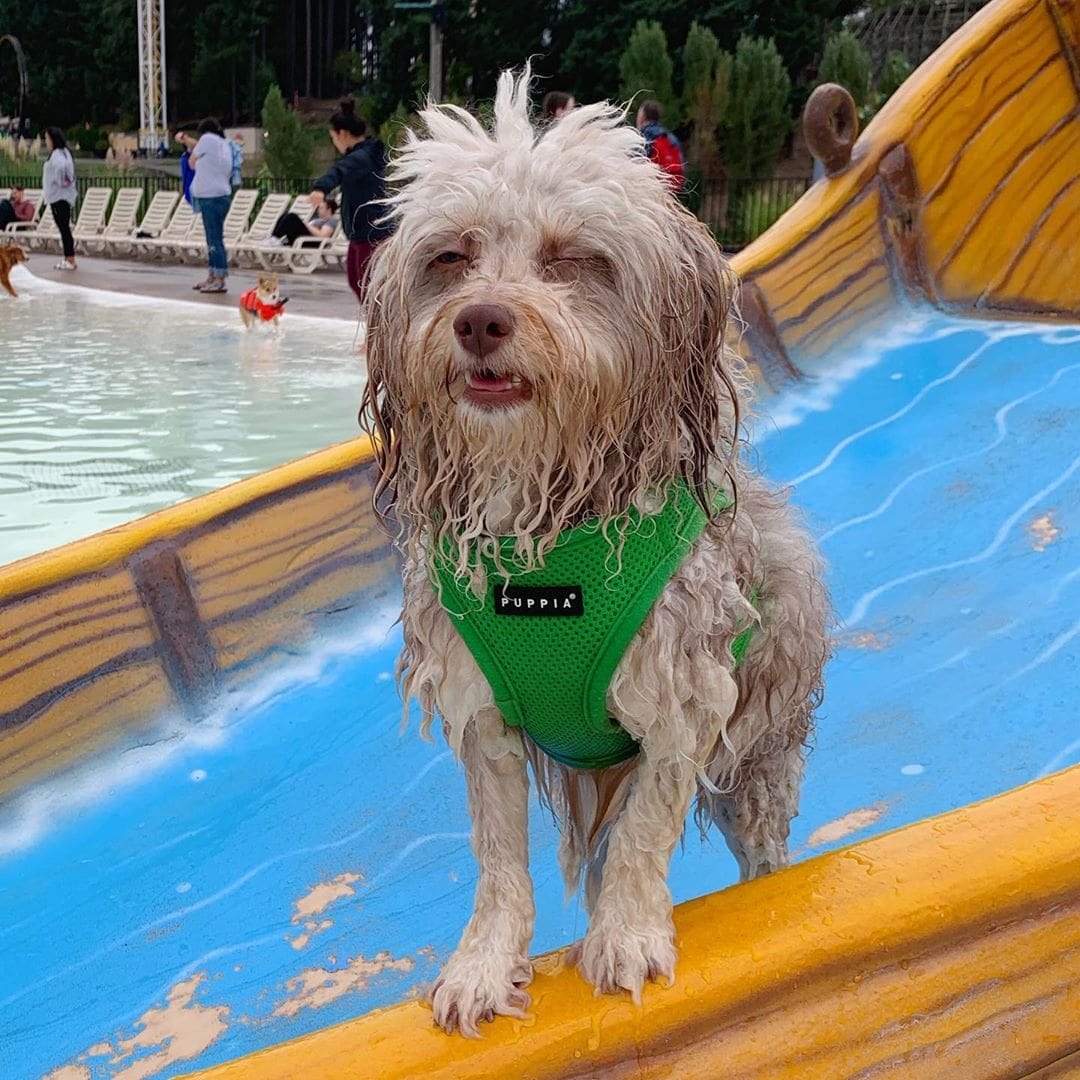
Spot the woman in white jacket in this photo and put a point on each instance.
(58, 181)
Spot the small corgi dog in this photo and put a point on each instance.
(10, 257)
(263, 303)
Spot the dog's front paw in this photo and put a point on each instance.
(622, 957)
(476, 985)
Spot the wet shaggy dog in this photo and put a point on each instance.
(10, 257)
(549, 345)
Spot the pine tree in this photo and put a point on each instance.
(645, 69)
(757, 119)
(846, 63)
(706, 85)
(895, 70)
(287, 149)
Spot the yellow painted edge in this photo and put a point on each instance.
(821, 922)
(892, 125)
(113, 546)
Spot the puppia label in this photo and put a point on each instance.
(538, 600)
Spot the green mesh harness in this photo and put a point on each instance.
(548, 640)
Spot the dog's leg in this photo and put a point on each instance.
(490, 969)
(756, 817)
(631, 937)
(6, 282)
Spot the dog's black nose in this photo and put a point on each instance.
(482, 328)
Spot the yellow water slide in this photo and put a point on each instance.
(946, 949)
(951, 948)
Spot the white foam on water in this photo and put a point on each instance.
(819, 390)
(35, 813)
(30, 285)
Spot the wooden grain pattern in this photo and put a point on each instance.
(851, 240)
(99, 639)
(50, 642)
(82, 720)
(944, 949)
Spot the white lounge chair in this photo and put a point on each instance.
(122, 221)
(39, 234)
(171, 238)
(92, 210)
(309, 253)
(20, 230)
(246, 250)
(236, 223)
(152, 225)
(277, 258)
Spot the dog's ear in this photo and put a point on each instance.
(708, 396)
(386, 321)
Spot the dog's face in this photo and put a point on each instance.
(267, 288)
(13, 256)
(545, 312)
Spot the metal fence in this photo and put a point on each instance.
(151, 185)
(737, 209)
(740, 209)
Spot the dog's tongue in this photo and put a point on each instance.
(484, 380)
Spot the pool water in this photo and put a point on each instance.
(113, 407)
(298, 860)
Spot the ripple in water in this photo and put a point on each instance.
(108, 412)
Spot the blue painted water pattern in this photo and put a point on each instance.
(941, 471)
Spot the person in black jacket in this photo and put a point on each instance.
(359, 174)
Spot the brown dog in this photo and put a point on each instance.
(263, 303)
(10, 257)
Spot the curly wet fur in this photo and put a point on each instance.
(621, 302)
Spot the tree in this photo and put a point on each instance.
(287, 150)
(645, 69)
(846, 63)
(706, 83)
(757, 119)
(895, 70)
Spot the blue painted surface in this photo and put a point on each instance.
(942, 475)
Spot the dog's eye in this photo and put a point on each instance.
(572, 270)
(446, 258)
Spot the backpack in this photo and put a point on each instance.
(666, 152)
(237, 176)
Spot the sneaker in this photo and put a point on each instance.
(273, 242)
(202, 284)
(63, 264)
(215, 285)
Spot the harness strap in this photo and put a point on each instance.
(549, 640)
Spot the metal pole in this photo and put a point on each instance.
(435, 81)
(435, 58)
(141, 18)
(163, 99)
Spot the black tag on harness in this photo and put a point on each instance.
(538, 600)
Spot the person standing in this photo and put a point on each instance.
(58, 182)
(661, 146)
(359, 173)
(211, 194)
(187, 173)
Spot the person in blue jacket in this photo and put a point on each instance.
(187, 173)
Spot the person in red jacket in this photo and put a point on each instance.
(661, 146)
